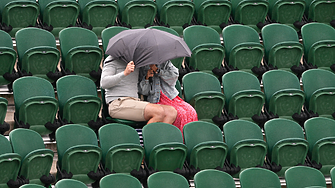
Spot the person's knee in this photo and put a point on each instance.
(154, 111)
(171, 112)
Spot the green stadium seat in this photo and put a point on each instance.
(7, 59)
(120, 181)
(70, 183)
(212, 178)
(304, 176)
(259, 177)
(167, 180)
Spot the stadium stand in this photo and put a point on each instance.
(78, 154)
(319, 86)
(286, 142)
(35, 105)
(282, 48)
(206, 149)
(304, 176)
(56, 15)
(4, 126)
(36, 159)
(212, 178)
(206, 98)
(38, 54)
(137, 14)
(250, 177)
(319, 45)
(11, 162)
(96, 15)
(207, 51)
(78, 101)
(244, 138)
(283, 94)
(18, 14)
(81, 54)
(243, 49)
(167, 180)
(320, 136)
(121, 180)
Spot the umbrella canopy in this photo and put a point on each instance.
(147, 46)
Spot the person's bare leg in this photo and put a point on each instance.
(154, 113)
(170, 114)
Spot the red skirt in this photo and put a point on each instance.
(185, 112)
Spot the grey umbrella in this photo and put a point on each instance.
(147, 46)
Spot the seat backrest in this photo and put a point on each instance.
(315, 32)
(250, 178)
(315, 79)
(5, 40)
(159, 133)
(75, 37)
(191, 84)
(236, 81)
(114, 134)
(31, 186)
(108, 33)
(198, 34)
(279, 129)
(121, 180)
(200, 131)
(211, 178)
(74, 85)
(31, 37)
(3, 109)
(25, 141)
(5, 146)
(167, 180)
(274, 34)
(318, 128)
(70, 183)
(67, 136)
(238, 34)
(304, 176)
(276, 80)
(238, 130)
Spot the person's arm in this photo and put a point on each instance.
(110, 78)
(169, 73)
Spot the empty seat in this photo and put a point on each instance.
(78, 154)
(321, 137)
(287, 12)
(167, 180)
(35, 105)
(164, 148)
(137, 14)
(121, 149)
(177, 14)
(205, 44)
(283, 93)
(31, 186)
(249, 12)
(78, 101)
(36, 159)
(67, 183)
(332, 176)
(10, 162)
(319, 45)
(206, 149)
(212, 13)
(56, 15)
(282, 48)
(244, 138)
(304, 176)
(320, 11)
(108, 33)
(243, 48)
(319, 88)
(212, 179)
(97, 15)
(259, 177)
(244, 97)
(3, 111)
(18, 14)
(286, 142)
(7, 59)
(81, 53)
(119, 181)
(38, 53)
(206, 98)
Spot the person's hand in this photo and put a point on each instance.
(153, 67)
(150, 73)
(129, 69)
